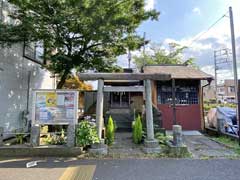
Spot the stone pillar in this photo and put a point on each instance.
(149, 111)
(99, 148)
(99, 108)
(177, 136)
(35, 135)
(1, 135)
(151, 145)
(71, 135)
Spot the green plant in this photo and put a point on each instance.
(44, 129)
(208, 106)
(162, 139)
(86, 134)
(56, 139)
(110, 132)
(20, 138)
(137, 130)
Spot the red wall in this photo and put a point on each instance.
(188, 116)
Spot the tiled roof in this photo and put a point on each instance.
(178, 71)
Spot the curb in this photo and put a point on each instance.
(40, 151)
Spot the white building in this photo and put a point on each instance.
(18, 76)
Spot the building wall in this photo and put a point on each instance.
(136, 102)
(188, 115)
(209, 91)
(14, 74)
(17, 76)
(154, 92)
(229, 89)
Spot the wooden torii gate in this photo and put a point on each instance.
(150, 142)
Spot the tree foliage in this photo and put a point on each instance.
(159, 55)
(73, 82)
(78, 34)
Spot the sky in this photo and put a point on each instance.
(185, 20)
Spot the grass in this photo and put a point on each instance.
(229, 142)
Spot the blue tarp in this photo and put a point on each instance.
(228, 116)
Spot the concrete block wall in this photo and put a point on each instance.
(14, 70)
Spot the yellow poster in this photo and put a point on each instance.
(51, 99)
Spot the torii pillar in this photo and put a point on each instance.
(151, 144)
(99, 148)
(99, 108)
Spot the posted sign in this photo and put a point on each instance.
(55, 107)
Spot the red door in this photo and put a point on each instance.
(188, 116)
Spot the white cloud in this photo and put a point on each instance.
(203, 48)
(149, 4)
(196, 10)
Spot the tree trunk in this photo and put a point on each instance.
(63, 79)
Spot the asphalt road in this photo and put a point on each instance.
(128, 169)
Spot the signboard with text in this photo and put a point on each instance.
(55, 107)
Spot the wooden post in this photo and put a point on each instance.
(238, 110)
(149, 111)
(99, 108)
(174, 102)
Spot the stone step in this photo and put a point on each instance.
(123, 119)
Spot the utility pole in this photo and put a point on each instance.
(234, 67)
(129, 58)
(144, 39)
(233, 52)
(215, 68)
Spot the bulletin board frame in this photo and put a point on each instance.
(55, 107)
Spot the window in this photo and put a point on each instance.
(231, 89)
(186, 92)
(33, 52)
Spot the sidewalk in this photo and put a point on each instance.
(202, 147)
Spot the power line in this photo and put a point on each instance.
(210, 27)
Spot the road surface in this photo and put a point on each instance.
(126, 169)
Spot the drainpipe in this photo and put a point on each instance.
(203, 114)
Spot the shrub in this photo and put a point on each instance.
(20, 138)
(110, 131)
(56, 139)
(86, 134)
(137, 130)
(162, 139)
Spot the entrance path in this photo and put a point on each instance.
(202, 147)
(124, 147)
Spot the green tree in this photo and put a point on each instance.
(73, 82)
(159, 55)
(137, 130)
(110, 132)
(78, 34)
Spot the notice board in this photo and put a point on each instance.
(55, 107)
